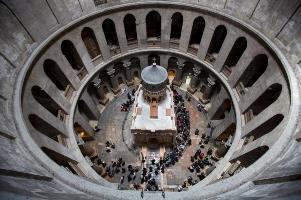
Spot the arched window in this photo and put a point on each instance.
(129, 22)
(153, 27)
(216, 43)
(59, 159)
(55, 74)
(73, 58)
(44, 127)
(109, 30)
(196, 35)
(46, 101)
(153, 58)
(135, 67)
(269, 96)
(90, 42)
(252, 73)
(220, 113)
(172, 63)
(135, 63)
(85, 110)
(92, 91)
(176, 29)
(187, 70)
(250, 157)
(235, 54)
(266, 127)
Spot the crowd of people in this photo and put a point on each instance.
(130, 100)
(182, 139)
(149, 172)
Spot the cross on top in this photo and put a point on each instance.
(154, 60)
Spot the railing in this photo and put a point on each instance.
(97, 59)
(99, 2)
(82, 73)
(132, 44)
(115, 50)
(226, 70)
(174, 43)
(193, 49)
(210, 58)
(68, 92)
(240, 89)
(154, 41)
(61, 115)
(248, 115)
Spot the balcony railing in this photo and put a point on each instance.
(114, 50)
(82, 73)
(132, 44)
(174, 43)
(68, 92)
(61, 115)
(248, 115)
(240, 89)
(99, 2)
(154, 41)
(193, 49)
(97, 59)
(210, 58)
(226, 70)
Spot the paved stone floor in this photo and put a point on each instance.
(115, 127)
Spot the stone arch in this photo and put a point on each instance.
(216, 43)
(55, 74)
(44, 127)
(196, 33)
(235, 54)
(268, 97)
(90, 42)
(172, 63)
(46, 101)
(153, 24)
(109, 30)
(129, 22)
(266, 127)
(151, 57)
(71, 54)
(84, 109)
(252, 156)
(220, 113)
(253, 72)
(176, 26)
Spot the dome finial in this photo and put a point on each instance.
(154, 62)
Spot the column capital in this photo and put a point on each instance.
(127, 64)
(111, 72)
(196, 71)
(180, 65)
(210, 81)
(97, 82)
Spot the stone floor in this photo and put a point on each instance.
(115, 127)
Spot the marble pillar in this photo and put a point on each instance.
(114, 81)
(178, 79)
(194, 79)
(128, 73)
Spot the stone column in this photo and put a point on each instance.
(128, 72)
(114, 81)
(209, 88)
(178, 79)
(103, 98)
(192, 85)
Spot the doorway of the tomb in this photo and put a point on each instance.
(153, 143)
